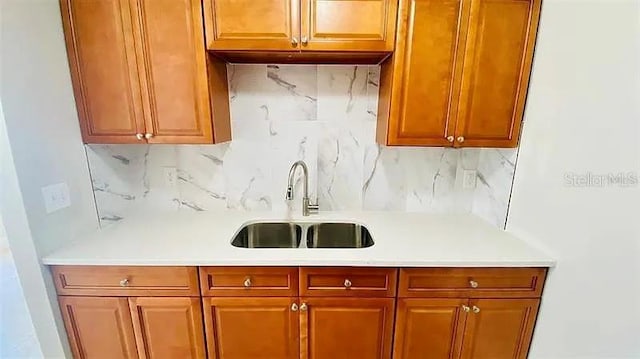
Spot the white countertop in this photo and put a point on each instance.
(204, 238)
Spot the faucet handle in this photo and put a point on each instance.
(313, 208)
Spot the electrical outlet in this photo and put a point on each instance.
(469, 179)
(170, 176)
(56, 197)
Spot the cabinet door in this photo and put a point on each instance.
(497, 65)
(346, 328)
(103, 68)
(98, 327)
(170, 46)
(429, 328)
(252, 25)
(422, 79)
(499, 328)
(347, 25)
(168, 327)
(260, 328)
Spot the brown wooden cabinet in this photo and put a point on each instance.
(499, 328)
(251, 327)
(336, 316)
(291, 313)
(140, 72)
(105, 317)
(300, 25)
(251, 25)
(429, 328)
(459, 74)
(98, 327)
(467, 313)
(168, 327)
(344, 328)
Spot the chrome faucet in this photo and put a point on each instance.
(307, 206)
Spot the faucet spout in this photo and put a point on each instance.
(307, 206)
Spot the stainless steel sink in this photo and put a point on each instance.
(268, 235)
(338, 235)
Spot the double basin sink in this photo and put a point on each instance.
(302, 235)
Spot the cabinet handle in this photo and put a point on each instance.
(465, 308)
(473, 284)
(247, 282)
(139, 136)
(450, 138)
(294, 307)
(294, 41)
(148, 136)
(347, 283)
(124, 282)
(461, 139)
(476, 309)
(305, 41)
(303, 307)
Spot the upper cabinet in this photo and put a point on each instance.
(141, 73)
(300, 25)
(459, 74)
(251, 25)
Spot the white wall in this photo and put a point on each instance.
(45, 147)
(17, 335)
(583, 115)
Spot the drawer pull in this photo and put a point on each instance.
(124, 282)
(303, 307)
(476, 309)
(473, 284)
(294, 307)
(465, 308)
(347, 283)
(247, 282)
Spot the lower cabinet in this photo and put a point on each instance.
(290, 327)
(141, 327)
(499, 328)
(346, 328)
(464, 328)
(251, 327)
(429, 328)
(299, 313)
(167, 327)
(98, 327)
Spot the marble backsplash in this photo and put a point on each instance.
(324, 115)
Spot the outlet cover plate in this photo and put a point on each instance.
(56, 197)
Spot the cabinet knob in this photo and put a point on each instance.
(148, 135)
(473, 284)
(347, 283)
(303, 307)
(294, 307)
(139, 136)
(124, 282)
(476, 309)
(247, 282)
(294, 41)
(305, 41)
(450, 138)
(460, 139)
(465, 308)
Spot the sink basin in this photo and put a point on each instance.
(338, 235)
(268, 235)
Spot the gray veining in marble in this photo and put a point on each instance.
(324, 115)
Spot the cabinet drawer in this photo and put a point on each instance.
(249, 281)
(471, 282)
(125, 281)
(348, 282)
